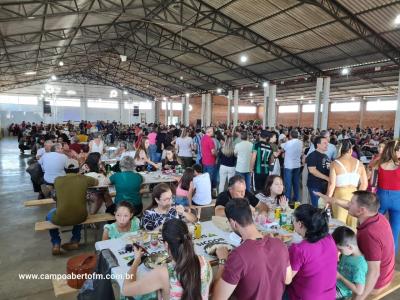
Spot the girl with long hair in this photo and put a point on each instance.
(181, 197)
(227, 163)
(389, 186)
(142, 159)
(347, 175)
(188, 276)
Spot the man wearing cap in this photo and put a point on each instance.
(71, 205)
(261, 159)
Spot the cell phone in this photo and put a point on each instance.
(133, 259)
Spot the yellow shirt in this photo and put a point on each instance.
(83, 138)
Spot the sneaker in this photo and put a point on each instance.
(56, 250)
(70, 246)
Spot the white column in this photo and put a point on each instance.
(272, 106)
(156, 105)
(166, 112)
(228, 120)
(325, 109)
(397, 119)
(187, 103)
(171, 111)
(208, 110)
(266, 100)
(183, 100)
(236, 107)
(203, 109)
(318, 94)
(83, 107)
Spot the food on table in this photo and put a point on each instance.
(156, 259)
(288, 227)
(211, 248)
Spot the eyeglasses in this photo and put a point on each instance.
(166, 199)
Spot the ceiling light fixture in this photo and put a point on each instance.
(187, 95)
(352, 98)
(123, 58)
(243, 58)
(113, 93)
(125, 92)
(302, 97)
(219, 90)
(61, 63)
(181, 78)
(265, 84)
(397, 20)
(251, 94)
(345, 71)
(252, 101)
(309, 101)
(30, 73)
(164, 98)
(53, 77)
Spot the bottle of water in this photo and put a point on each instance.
(329, 213)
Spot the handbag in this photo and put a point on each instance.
(277, 168)
(79, 265)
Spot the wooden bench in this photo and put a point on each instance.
(394, 285)
(61, 288)
(200, 207)
(40, 202)
(91, 219)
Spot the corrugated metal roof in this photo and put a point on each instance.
(199, 36)
(210, 68)
(262, 68)
(393, 37)
(324, 54)
(304, 41)
(310, 15)
(228, 45)
(255, 55)
(217, 3)
(191, 59)
(356, 6)
(247, 12)
(335, 33)
(277, 27)
(383, 19)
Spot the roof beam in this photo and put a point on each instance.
(354, 24)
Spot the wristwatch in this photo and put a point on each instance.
(221, 261)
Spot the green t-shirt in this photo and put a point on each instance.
(71, 199)
(264, 152)
(354, 269)
(113, 232)
(127, 185)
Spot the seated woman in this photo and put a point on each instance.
(181, 194)
(273, 195)
(187, 276)
(170, 161)
(127, 185)
(124, 222)
(314, 260)
(142, 159)
(94, 168)
(162, 210)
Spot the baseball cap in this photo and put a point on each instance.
(71, 164)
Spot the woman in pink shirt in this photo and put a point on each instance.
(313, 260)
(152, 144)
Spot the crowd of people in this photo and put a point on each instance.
(350, 174)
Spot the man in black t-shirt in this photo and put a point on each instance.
(318, 165)
(260, 160)
(236, 189)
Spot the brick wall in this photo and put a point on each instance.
(220, 109)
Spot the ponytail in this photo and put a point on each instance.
(187, 264)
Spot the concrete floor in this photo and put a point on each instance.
(21, 249)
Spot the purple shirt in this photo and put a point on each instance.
(258, 269)
(316, 265)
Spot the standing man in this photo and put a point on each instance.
(374, 238)
(197, 145)
(318, 165)
(261, 159)
(331, 151)
(292, 163)
(208, 155)
(253, 270)
(243, 151)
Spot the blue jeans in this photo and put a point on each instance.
(314, 198)
(291, 178)
(153, 152)
(247, 179)
(390, 202)
(211, 170)
(181, 201)
(55, 234)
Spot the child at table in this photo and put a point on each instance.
(352, 267)
(181, 194)
(124, 222)
(170, 161)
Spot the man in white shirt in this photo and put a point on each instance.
(53, 164)
(243, 152)
(292, 163)
(45, 149)
(200, 188)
